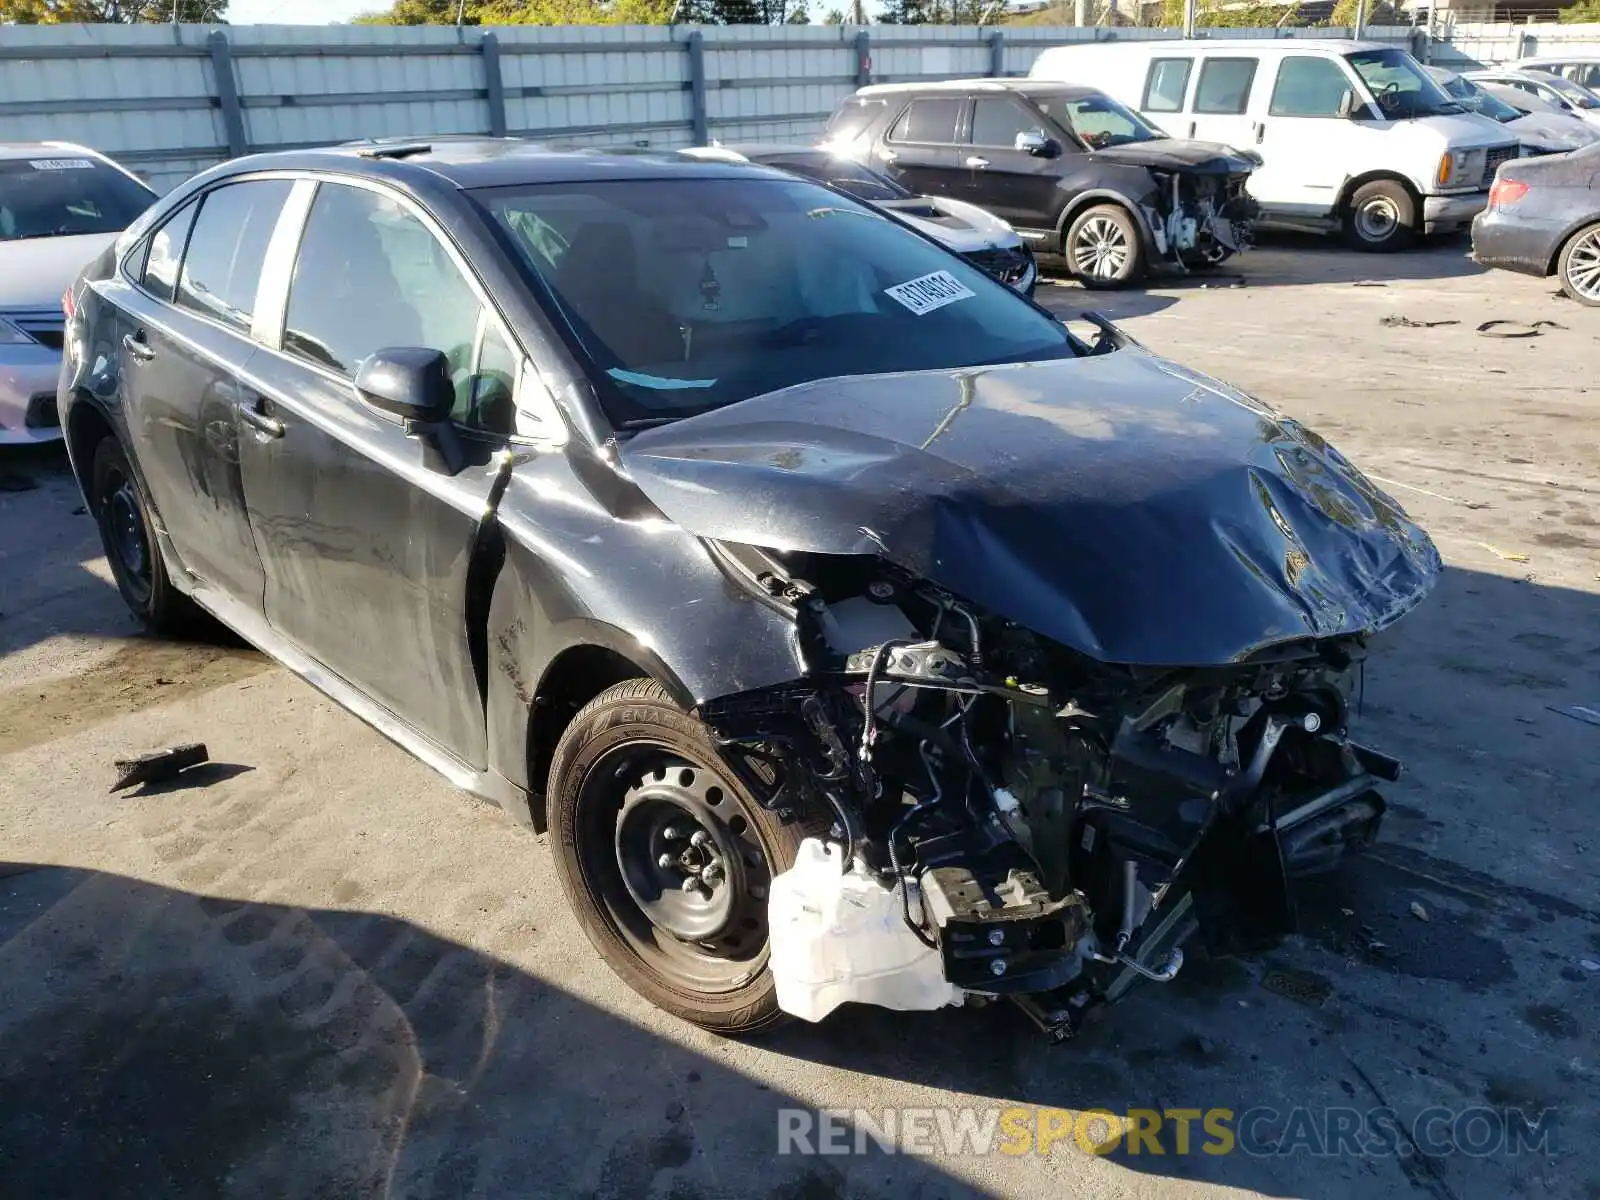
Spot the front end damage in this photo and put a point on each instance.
(1075, 645)
(1199, 219)
(1038, 826)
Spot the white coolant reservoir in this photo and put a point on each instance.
(839, 936)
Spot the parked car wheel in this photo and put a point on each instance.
(1103, 249)
(1579, 266)
(666, 859)
(1381, 216)
(123, 515)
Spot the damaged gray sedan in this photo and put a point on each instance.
(856, 631)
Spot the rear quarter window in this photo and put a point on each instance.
(854, 117)
(1166, 84)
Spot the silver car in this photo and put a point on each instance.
(60, 206)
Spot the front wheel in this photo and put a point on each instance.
(666, 859)
(1103, 249)
(1381, 217)
(1579, 266)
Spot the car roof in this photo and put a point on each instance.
(477, 162)
(1532, 59)
(1027, 87)
(757, 151)
(16, 150)
(1224, 45)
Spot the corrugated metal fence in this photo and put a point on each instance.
(171, 100)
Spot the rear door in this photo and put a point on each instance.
(1164, 96)
(366, 545)
(921, 149)
(1219, 107)
(184, 337)
(1014, 185)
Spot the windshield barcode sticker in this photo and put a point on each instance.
(61, 164)
(929, 292)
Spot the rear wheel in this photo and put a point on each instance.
(1103, 249)
(126, 531)
(1579, 266)
(1381, 217)
(666, 859)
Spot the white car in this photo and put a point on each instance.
(60, 206)
(976, 234)
(1562, 94)
(1542, 132)
(1580, 68)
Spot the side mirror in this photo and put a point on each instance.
(1036, 144)
(412, 382)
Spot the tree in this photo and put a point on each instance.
(98, 12)
(799, 14)
(1583, 12)
(833, 17)
(525, 12)
(1216, 14)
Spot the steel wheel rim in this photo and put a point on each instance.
(1100, 249)
(1377, 219)
(712, 938)
(122, 522)
(1583, 265)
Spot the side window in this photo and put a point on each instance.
(996, 121)
(222, 267)
(164, 255)
(1166, 84)
(931, 120)
(1308, 87)
(370, 275)
(492, 401)
(1224, 85)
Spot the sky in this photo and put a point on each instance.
(297, 12)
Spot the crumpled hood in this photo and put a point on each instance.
(961, 226)
(1180, 154)
(1553, 131)
(34, 272)
(1129, 508)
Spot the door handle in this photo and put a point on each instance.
(1191, 128)
(976, 163)
(135, 345)
(262, 423)
(1261, 131)
(888, 156)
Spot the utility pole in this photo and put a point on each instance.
(461, 13)
(1080, 13)
(1188, 18)
(1361, 20)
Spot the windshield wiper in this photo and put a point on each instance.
(650, 422)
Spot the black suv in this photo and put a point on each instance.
(1072, 170)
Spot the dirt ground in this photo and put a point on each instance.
(314, 969)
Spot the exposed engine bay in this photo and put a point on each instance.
(1198, 219)
(1027, 822)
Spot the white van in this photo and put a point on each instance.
(1351, 135)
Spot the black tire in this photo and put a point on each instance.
(1578, 268)
(1103, 247)
(1380, 217)
(122, 513)
(629, 760)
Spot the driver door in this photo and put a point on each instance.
(366, 544)
(1013, 184)
(1307, 149)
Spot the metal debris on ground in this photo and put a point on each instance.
(1395, 320)
(1578, 712)
(1508, 555)
(1516, 329)
(1369, 283)
(158, 766)
(1300, 986)
(1419, 912)
(1589, 964)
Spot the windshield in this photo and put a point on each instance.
(56, 197)
(685, 295)
(1574, 94)
(852, 117)
(1471, 96)
(1098, 121)
(849, 177)
(1400, 85)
